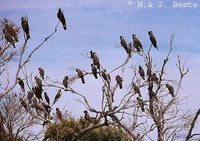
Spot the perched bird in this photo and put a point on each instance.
(96, 60)
(136, 89)
(91, 54)
(170, 89)
(150, 88)
(105, 76)
(41, 72)
(152, 95)
(94, 71)
(154, 78)
(59, 114)
(141, 72)
(29, 96)
(123, 43)
(46, 107)
(37, 91)
(23, 103)
(148, 71)
(21, 84)
(137, 43)
(38, 107)
(141, 103)
(87, 117)
(153, 39)
(119, 81)
(61, 17)
(9, 38)
(46, 98)
(129, 49)
(65, 82)
(80, 75)
(38, 81)
(25, 27)
(10, 29)
(58, 95)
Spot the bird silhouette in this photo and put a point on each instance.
(153, 39)
(123, 42)
(137, 43)
(23, 103)
(136, 89)
(80, 75)
(94, 71)
(91, 54)
(154, 78)
(170, 89)
(129, 49)
(21, 84)
(141, 72)
(46, 107)
(25, 27)
(105, 76)
(29, 96)
(58, 95)
(59, 114)
(10, 29)
(65, 82)
(38, 82)
(46, 98)
(119, 81)
(61, 17)
(141, 103)
(41, 72)
(96, 60)
(8, 37)
(37, 91)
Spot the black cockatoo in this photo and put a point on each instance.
(46, 98)
(141, 72)
(94, 71)
(153, 39)
(58, 95)
(59, 114)
(25, 27)
(65, 82)
(80, 75)
(61, 17)
(21, 84)
(41, 72)
(10, 29)
(170, 89)
(141, 103)
(8, 37)
(137, 43)
(136, 89)
(119, 81)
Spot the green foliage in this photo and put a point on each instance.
(66, 130)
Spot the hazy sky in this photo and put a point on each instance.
(96, 25)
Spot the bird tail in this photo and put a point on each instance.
(83, 80)
(64, 26)
(28, 35)
(142, 108)
(120, 86)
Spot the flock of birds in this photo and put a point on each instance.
(34, 96)
(10, 32)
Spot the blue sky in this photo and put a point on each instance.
(97, 25)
